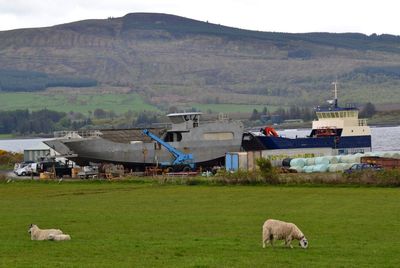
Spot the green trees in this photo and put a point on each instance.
(368, 111)
(42, 121)
(16, 80)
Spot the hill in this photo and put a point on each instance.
(171, 60)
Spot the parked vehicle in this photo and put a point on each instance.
(384, 162)
(59, 168)
(26, 170)
(21, 165)
(88, 172)
(362, 167)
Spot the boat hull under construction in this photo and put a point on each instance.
(207, 142)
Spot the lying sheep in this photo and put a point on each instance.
(59, 237)
(280, 230)
(38, 234)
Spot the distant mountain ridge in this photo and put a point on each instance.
(160, 54)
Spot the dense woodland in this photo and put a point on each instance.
(17, 80)
(24, 122)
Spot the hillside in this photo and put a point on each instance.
(171, 60)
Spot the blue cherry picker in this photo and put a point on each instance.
(182, 162)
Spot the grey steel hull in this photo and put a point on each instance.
(137, 155)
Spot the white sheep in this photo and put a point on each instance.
(39, 234)
(59, 237)
(280, 230)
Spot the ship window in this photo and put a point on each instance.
(173, 136)
(336, 114)
(219, 136)
(195, 121)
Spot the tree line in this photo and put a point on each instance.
(293, 112)
(304, 113)
(36, 122)
(16, 80)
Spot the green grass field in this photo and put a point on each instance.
(232, 108)
(6, 136)
(145, 225)
(83, 103)
(119, 103)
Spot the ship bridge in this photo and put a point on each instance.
(184, 121)
(341, 118)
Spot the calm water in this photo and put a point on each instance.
(18, 145)
(383, 139)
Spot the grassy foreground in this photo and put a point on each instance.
(145, 225)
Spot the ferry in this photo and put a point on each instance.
(336, 127)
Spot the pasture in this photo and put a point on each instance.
(66, 102)
(117, 224)
(91, 100)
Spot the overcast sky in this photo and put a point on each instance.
(296, 16)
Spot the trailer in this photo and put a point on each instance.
(384, 162)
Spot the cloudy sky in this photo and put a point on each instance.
(296, 16)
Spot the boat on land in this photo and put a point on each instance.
(206, 141)
(336, 127)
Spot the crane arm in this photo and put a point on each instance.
(170, 149)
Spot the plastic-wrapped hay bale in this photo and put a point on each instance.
(387, 154)
(308, 169)
(350, 158)
(347, 165)
(342, 167)
(286, 162)
(357, 157)
(396, 155)
(339, 158)
(329, 157)
(333, 167)
(297, 162)
(344, 158)
(320, 168)
(310, 161)
(321, 160)
(371, 154)
(334, 159)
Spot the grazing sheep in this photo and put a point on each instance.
(280, 230)
(59, 237)
(38, 234)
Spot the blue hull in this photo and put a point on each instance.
(271, 142)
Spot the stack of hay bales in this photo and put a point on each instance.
(334, 163)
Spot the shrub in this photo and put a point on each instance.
(240, 177)
(268, 172)
(10, 158)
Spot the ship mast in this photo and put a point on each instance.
(335, 91)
